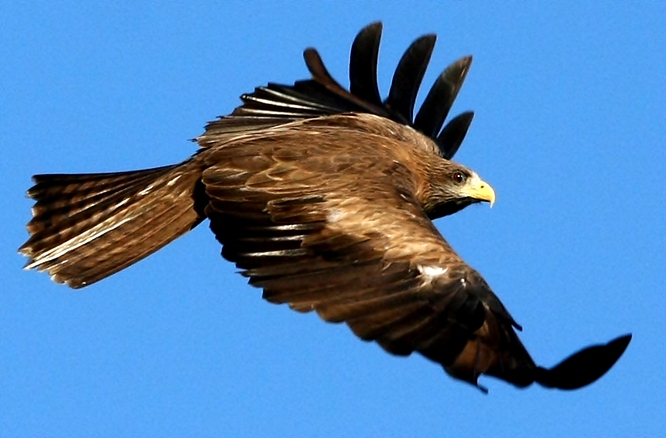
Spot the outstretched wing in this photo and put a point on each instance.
(344, 236)
(341, 233)
(276, 104)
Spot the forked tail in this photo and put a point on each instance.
(86, 227)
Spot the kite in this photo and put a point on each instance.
(324, 198)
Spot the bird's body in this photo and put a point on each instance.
(327, 211)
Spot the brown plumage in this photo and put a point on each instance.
(323, 197)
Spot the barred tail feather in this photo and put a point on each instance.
(86, 227)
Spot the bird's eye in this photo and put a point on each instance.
(458, 177)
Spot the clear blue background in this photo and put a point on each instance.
(570, 129)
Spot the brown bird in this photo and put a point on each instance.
(323, 197)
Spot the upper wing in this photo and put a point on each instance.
(345, 237)
(276, 104)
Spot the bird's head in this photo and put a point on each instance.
(454, 188)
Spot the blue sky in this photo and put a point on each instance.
(570, 126)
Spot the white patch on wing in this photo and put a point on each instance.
(173, 181)
(336, 215)
(147, 190)
(430, 273)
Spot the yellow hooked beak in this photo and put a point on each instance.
(477, 188)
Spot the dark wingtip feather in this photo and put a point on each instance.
(318, 70)
(584, 367)
(453, 134)
(408, 76)
(441, 96)
(363, 63)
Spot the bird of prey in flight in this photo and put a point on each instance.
(324, 198)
